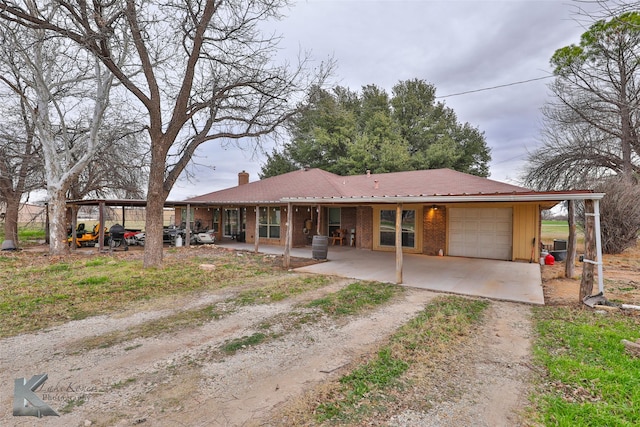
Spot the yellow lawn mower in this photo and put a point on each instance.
(87, 238)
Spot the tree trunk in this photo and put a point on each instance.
(570, 265)
(586, 284)
(156, 197)
(57, 222)
(11, 220)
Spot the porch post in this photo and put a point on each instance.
(289, 238)
(256, 233)
(187, 235)
(319, 209)
(399, 243)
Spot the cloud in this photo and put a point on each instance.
(456, 45)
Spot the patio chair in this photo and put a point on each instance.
(338, 236)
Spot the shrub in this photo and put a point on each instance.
(619, 214)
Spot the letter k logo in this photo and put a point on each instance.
(24, 395)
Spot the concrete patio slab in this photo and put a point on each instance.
(502, 280)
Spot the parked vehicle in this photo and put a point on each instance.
(204, 238)
(170, 233)
(134, 237)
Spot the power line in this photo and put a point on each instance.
(493, 87)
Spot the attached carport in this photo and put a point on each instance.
(501, 280)
(542, 198)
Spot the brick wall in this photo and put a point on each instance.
(364, 230)
(434, 235)
(300, 215)
(348, 221)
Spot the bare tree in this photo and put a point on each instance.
(202, 71)
(65, 93)
(20, 157)
(591, 10)
(592, 126)
(21, 168)
(118, 169)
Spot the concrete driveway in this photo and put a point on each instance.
(502, 280)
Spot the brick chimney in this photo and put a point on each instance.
(243, 178)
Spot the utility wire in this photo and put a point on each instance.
(493, 87)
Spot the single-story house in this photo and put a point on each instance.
(439, 211)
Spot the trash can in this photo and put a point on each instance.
(559, 255)
(319, 247)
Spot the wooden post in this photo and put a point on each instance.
(586, 284)
(47, 228)
(289, 238)
(399, 243)
(570, 264)
(187, 227)
(256, 232)
(318, 226)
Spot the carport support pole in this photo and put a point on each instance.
(289, 238)
(74, 225)
(46, 226)
(596, 214)
(101, 226)
(399, 243)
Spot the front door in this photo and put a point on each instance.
(231, 222)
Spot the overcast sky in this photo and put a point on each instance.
(458, 46)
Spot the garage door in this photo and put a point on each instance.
(480, 232)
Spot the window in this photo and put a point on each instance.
(215, 221)
(231, 221)
(183, 216)
(334, 220)
(269, 223)
(388, 228)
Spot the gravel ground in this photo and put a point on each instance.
(179, 379)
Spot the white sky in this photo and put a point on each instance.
(457, 46)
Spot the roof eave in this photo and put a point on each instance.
(539, 197)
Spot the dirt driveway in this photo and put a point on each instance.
(178, 379)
